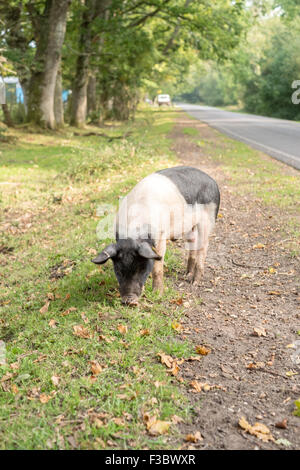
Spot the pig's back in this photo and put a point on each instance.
(194, 185)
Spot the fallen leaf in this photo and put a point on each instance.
(177, 301)
(202, 350)
(145, 332)
(259, 430)
(84, 318)
(177, 419)
(55, 380)
(50, 296)
(165, 359)
(197, 386)
(282, 424)
(155, 426)
(259, 246)
(52, 323)
(14, 365)
(259, 331)
(291, 373)
(44, 398)
(14, 389)
(118, 421)
(194, 437)
(177, 326)
(82, 332)
(95, 367)
(194, 358)
(255, 365)
(105, 338)
(123, 329)
(274, 292)
(69, 310)
(45, 307)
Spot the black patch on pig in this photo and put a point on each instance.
(194, 185)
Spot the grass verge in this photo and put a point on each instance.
(78, 369)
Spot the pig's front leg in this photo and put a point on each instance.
(158, 268)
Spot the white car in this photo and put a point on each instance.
(163, 99)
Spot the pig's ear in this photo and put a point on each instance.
(109, 252)
(146, 251)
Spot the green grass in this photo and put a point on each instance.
(56, 182)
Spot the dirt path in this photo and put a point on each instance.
(250, 283)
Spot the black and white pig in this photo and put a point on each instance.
(174, 203)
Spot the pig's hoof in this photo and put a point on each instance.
(158, 288)
(196, 281)
(130, 301)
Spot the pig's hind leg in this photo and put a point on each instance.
(199, 246)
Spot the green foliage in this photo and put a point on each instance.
(297, 411)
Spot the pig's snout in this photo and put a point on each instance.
(131, 299)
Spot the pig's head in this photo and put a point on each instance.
(133, 262)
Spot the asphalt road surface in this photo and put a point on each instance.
(276, 137)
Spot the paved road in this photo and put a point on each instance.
(276, 137)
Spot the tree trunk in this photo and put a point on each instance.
(41, 90)
(93, 9)
(58, 102)
(7, 116)
(79, 91)
(91, 95)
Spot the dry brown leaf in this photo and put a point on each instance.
(194, 437)
(259, 331)
(52, 323)
(14, 389)
(282, 424)
(95, 367)
(177, 419)
(177, 301)
(55, 380)
(45, 307)
(259, 246)
(84, 317)
(145, 332)
(259, 430)
(155, 426)
(166, 360)
(123, 329)
(44, 398)
(274, 292)
(50, 296)
(197, 386)
(118, 421)
(194, 358)
(81, 331)
(14, 365)
(177, 326)
(255, 365)
(203, 350)
(69, 310)
(105, 338)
